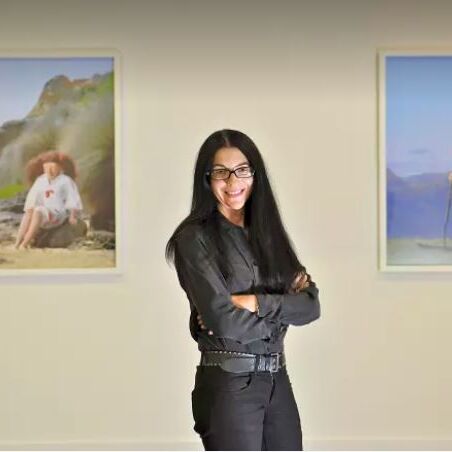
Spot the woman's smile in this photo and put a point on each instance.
(235, 193)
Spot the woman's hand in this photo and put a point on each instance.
(201, 324)
(245, 302)
(300, 282)
(240, 301)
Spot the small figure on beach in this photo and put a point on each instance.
(53, 197)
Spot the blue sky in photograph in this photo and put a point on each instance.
(22, 79)
(419, 114)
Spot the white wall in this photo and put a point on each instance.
(110, 363)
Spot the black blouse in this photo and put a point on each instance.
(209, 292)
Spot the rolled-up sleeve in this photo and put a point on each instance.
(206, 287)
(291, 308)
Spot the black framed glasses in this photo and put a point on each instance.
(225, 173)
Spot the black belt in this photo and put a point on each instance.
(243, 362)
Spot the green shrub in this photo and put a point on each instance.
(9, 191)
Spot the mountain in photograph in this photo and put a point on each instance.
(416, 205)
(75, 117)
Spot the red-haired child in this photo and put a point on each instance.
(53, 197)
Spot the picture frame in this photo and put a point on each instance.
(414, 160)
(61, 109)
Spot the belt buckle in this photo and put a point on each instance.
(277, 362)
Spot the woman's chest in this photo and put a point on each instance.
(243, 272)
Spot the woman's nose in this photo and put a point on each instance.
(230, 178)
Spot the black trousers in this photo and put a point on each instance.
(245, 411)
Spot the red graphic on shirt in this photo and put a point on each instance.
(49, 192)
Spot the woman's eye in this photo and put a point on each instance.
(244, 170)
(220, 172)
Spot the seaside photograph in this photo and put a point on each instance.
(57, 163)
(418, 144)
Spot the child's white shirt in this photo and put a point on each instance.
(59, 195)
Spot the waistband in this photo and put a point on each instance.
(243, 362)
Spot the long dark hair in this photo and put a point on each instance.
(272, 249)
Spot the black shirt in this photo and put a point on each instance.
(209, 292)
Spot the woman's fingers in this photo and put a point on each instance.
(296, 283)
(201, 324)
(300, 282)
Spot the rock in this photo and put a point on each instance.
(6, 236)
(14, 204)
(8, 228)
(61, 236)
(104, 239)
(9, 131)
(95, 240)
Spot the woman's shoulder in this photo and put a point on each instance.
(192, 237)
(191, 232)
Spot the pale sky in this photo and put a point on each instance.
(419, 114)
(22, 79)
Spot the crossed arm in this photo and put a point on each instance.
(251, 302)
(236, 316)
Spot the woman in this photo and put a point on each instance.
(245, 286)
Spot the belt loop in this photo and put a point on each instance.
(276, 366)
(256, 363)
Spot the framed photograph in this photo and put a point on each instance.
(59, 162)
(415, 160)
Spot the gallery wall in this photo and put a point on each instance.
(108, 362)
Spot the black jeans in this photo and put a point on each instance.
(245, 411)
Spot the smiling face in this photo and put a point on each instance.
(51, 169)
(232, 193)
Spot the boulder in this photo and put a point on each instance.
(61, 236)
(9, 131)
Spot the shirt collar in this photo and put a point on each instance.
(228, 224)
(52, 181)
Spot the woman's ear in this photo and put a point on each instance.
(206, 182)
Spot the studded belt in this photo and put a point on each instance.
(243, 362)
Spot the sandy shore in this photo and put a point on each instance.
(37, 258)
(419, 252)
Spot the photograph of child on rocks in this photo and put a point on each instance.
(57, 163)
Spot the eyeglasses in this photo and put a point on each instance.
(225, 173)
